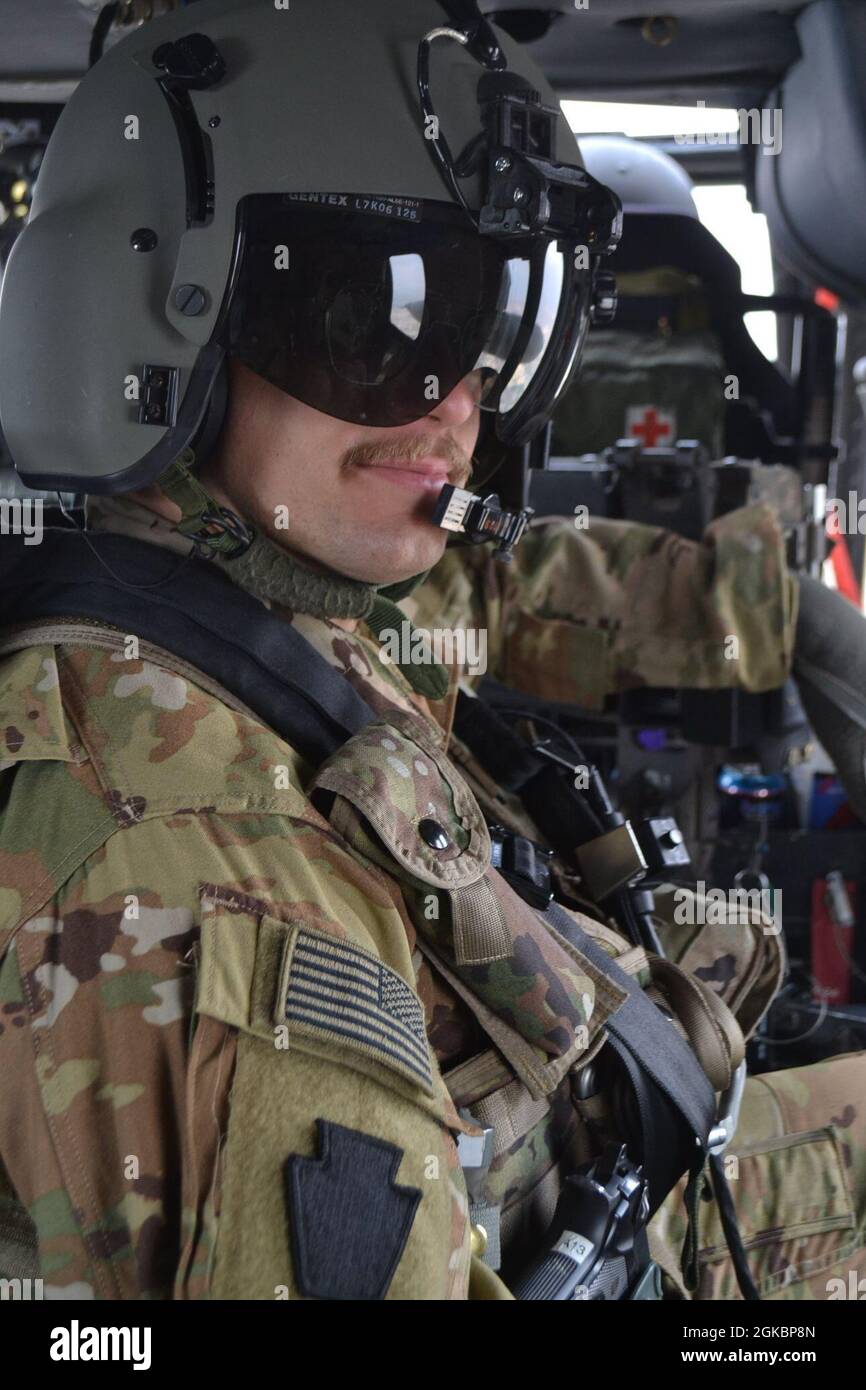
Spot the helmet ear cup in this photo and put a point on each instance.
(205, 439)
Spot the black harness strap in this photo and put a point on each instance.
(676, 1106)
(676, 1103)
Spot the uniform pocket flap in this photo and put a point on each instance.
(395, 773)
(35, 727)
(793, 1186)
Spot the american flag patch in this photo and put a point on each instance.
(340, 992)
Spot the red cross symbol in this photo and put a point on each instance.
(649, 425)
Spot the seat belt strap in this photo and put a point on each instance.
(648, 1036)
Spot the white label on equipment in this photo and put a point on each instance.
(575, 1246)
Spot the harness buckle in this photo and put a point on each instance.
(725, 1127)
(523, 864)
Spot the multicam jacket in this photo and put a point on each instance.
(246, 1005)
(586, 610)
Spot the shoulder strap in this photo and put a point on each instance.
(189, 610)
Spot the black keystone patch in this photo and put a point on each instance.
(348, 1219)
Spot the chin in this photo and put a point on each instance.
(399, 557)
(422, 555)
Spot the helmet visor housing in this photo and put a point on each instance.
(373, 309)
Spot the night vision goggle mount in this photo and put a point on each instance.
(527, 194)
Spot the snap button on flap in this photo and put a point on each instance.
(433, 834)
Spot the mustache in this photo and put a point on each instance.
(420, 446)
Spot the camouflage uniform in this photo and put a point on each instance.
(593, 606)
(217, 964)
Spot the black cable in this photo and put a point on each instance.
(636, 914)
(510, 712)
(728, 1213)
(439, 147)
(104, 20)
(116, 578)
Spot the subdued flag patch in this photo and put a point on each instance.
(345, 994)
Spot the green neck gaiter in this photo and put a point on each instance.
(273, 574)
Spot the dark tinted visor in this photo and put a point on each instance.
(372, 309)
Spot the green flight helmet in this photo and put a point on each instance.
(272, 182)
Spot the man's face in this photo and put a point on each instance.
(355, 498)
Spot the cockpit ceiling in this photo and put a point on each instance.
(728, 52)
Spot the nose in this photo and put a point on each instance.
(461, 404)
